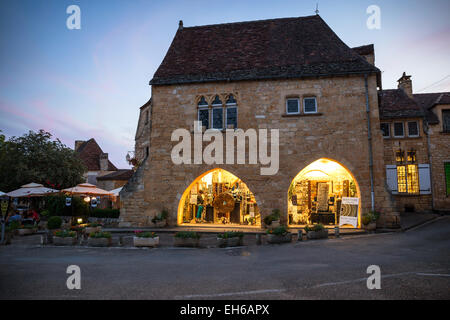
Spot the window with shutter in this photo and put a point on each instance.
(391, 178)
(424, 178)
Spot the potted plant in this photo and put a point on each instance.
(145, 239)
(26, 229)
(53, 223)
(317, 231)
(99, 239)
(369, 220)
(160, 220)
(186, 239)
(279, 235)
(273, 219)
(92, 228)
(230, 239)
(64, 238)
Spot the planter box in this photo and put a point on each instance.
(273, 238)
(370, 227)
(230, 242)
(145, 242)
(23, 232)
(185, 242)
(64, 241)
(89, 230)
(323, 234)
(99, 242)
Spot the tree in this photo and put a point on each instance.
(35, 157)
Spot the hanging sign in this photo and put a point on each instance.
(349, 211)
(68, 202)
(94, 202)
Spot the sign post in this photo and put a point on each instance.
(349, 211)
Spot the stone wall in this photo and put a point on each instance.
(439, 143)
(338, 132)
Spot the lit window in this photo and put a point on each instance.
(401, 179)
(310, 105)
(398, 129)
(412, 178)
(411, 156)
(292, 106)
(399, 156)
(385, 130)
(446, 120)
(413, 129)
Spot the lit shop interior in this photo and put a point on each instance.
(219, 198)
(315, 195)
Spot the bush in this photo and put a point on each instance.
(13, 225)
(366, 219)
(187, 235)
(230, 234)
(316, 228)
(54, 223)
(278, 231)
(56, 206)
(274, 216)
(105, 213)
(147, 234)
(160, 217)
(372, 216)
(100, 235)
(65, 234)
(268, 220)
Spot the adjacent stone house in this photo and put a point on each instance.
(294, 75)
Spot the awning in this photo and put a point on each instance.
(31, 190)
(87, 189)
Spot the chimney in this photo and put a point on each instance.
(180, 25)
(104, 162)
(405, 83)
(78, 144)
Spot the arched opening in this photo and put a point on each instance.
(324, 192)
(218, 197)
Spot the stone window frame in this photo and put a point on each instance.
(418, 129)
(388, 124)
(445, 111)
(211, 107)
(407, 179)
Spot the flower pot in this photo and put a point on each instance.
(89, 230)
(26, 231)
(64, 241)
(99, 242)
(274, 238)
(185, 242)
(229, 242)
(370, 227)
(145, 242)
(322, 234)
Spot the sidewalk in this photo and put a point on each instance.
(409, 220)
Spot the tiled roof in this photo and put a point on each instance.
(396, 103)
(266, 49)
(121, 174)
(89, 152)
(364, 50)
(428, 100)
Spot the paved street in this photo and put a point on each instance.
(414, 265)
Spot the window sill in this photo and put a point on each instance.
(216, 130)
(403, 138)
(317, 114)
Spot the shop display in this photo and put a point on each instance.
(220, 198)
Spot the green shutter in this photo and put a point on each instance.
(447, 177)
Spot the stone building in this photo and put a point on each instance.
(293, 75)
(100, 170)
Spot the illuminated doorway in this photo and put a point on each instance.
(218, 198)
(321, 193)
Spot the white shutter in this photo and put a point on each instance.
(424, 179)
(391, 178)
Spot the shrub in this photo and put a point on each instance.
(316, 228)
(372, 216)
(160, 217)
(65, 234)
(230, 234)
(100, 235)
(145, 234)
(105, 213)
(278, 231)
(45, 213)
(56, 206)
(54, 223)
(268, 220)
(187, 235)
(94, 225)
(366, 219)
(274, 216)
(14, 225)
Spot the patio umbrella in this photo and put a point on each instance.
(31, 190)
(115, 192)
(88, 190)
(2, 193)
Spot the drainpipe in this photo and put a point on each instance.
(369, 138)
(426, 130)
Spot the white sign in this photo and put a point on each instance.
(349, 211)
(68, 202)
